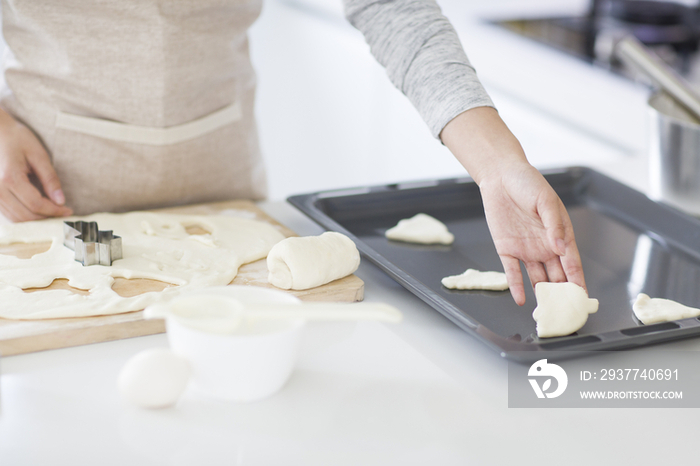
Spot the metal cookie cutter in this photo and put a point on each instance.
(91, 245)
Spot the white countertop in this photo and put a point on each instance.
(421, 392)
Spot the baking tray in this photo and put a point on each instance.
(628, 244)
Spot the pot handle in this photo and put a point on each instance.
(635, 54)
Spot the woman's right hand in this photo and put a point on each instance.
(23, 156)
(527, 220)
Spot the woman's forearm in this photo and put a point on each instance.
(422, 55)
(482, 143)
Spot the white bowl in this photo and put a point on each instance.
(253, 362)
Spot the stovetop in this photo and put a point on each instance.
(671, 30)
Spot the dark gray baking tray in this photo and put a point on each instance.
(628, 244)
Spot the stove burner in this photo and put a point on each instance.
(672, 30)
(649, 12)
(653, 22)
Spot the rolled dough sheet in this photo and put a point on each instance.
(155, 246)
(311, 261)
(562, 308)
(474, 279)
(654, 310)
(421, 229)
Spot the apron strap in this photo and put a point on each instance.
(149, 135)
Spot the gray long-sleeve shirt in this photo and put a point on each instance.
(422, 55)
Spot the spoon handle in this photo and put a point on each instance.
(325, 311)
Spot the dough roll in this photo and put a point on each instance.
(311, 261)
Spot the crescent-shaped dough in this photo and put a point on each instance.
(311, 261)
(653, 310)
(474, 279)
(421, 229)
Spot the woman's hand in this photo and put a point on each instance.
(21, 157)
(528, 221)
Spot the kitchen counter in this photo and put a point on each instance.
(420, 392)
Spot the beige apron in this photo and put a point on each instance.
(141, 103)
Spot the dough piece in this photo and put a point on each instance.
(154, 378)
(311, 261)
(422, 229)
(155, 246)
(474, 279)
(651, 311)
(562, 308)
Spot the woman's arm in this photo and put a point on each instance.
(528, 221)
(424, 59)
(422, 55)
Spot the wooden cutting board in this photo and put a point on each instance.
(26, 336)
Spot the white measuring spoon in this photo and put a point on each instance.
(219, 314)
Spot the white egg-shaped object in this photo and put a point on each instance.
(154, 378)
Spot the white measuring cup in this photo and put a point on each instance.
(242, 341)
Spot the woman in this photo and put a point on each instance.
(145, 104)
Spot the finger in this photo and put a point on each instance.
(4, 212)
(536, 272)
(555, 221)
(13, 209)
(555, 271)
(40, 164)
(31, 198)
(511, 267)
(571, 264)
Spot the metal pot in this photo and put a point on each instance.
(674, 154)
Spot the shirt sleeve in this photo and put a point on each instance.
(422, 55)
